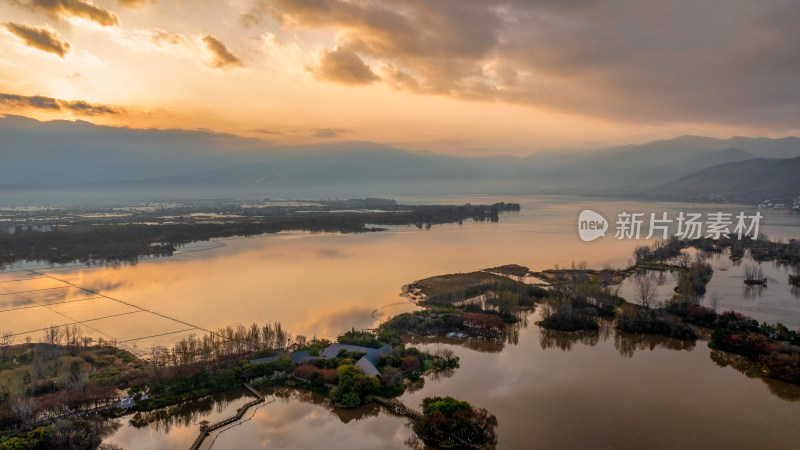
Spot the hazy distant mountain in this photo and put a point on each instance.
(622, 170)
(750, 181)
(61, 152)
(101, 161)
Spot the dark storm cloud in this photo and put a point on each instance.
(40, 102)
(344, 67)
(40, 38)
(223, 58)
(717, 61)
(77, 8)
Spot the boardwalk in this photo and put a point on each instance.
(398, 407)
(205, 430)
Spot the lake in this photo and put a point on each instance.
(546, 390)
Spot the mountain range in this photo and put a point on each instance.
(69, 161)
(750, 181)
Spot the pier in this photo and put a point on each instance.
(205, 429)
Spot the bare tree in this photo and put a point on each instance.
(684, 260)
(642, 254)
(76, 335)
(87, 341)
(23, 408)
(52, 335)
(754, 274)
(607, 274)
(6, 341)
(444, 353)
(67, 333)
(645, 284)
(715, 297)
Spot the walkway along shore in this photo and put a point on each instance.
(205, 430)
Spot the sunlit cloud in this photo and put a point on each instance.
(223, 58)
(161, 37)
(329, 133)
(77, 9)
(41, 38)
(53, 104)
(625, 61)
(266, 131)
(345, 67)
(134, 3)
(469, 75)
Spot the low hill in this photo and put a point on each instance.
(750, 181)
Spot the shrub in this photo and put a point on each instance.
(652, 321)
(566, 317)
(449, 422)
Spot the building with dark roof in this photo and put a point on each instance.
(368, 363)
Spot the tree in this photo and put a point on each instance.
(485, 323)
(350, 399)
(353, 381)
(754, 274)
(23, 409)
(645, 285)
(449, 422)
(444, 353)
(642, 254)
(715, 298)
(410, 363)
(52, 335)
(684, 260)
(391, 380)
(6, 341)
(508, 302)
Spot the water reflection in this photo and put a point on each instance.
(774, 302)
(564, 340)
(294, 418)
(752, 291)
(321, 284)
(482, 345)
(628, 343)
(783, 390)
(344, 415)
(186, 414)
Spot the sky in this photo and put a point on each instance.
(469, 77)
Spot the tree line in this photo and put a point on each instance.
(126, 243)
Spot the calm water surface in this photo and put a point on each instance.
(547, 390)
